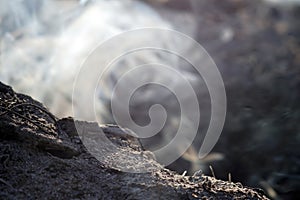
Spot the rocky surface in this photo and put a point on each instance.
(42, 157)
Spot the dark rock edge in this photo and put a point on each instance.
(42, 157)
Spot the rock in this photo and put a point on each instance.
(42, 157)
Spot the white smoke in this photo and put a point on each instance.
(44, 43)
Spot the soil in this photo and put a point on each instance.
(42, 157)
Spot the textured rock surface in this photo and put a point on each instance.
(42, 157)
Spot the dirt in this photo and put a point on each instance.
(42, 157)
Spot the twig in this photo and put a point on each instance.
(229, 177)
(6, 183)
(29, 104)
(212, 171)
(7, 110)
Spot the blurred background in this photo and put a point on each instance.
(255, 44)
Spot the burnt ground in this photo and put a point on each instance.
(42, 157)
(259, 61)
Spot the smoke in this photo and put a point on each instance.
(45, 43)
